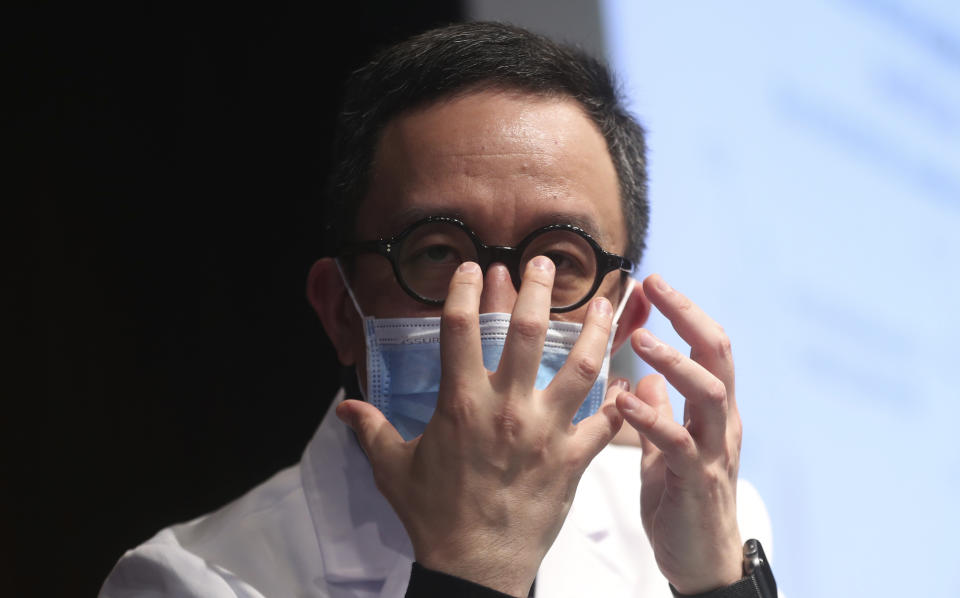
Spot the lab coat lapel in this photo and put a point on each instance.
(360, 537)
(602, 549)
(580, 562)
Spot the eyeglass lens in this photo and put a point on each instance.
(429, 255)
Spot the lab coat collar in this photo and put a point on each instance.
(360, 536)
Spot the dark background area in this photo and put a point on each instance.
(166, 201)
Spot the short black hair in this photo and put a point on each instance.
(457, 58)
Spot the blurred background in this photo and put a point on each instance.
(805, 185)
(805, 189)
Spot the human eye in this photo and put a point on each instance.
(566, 264)
(440, 248)
(429, 256)
(433, 253)
(571, 255)
(438, 254)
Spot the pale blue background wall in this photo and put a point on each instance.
(805, 180)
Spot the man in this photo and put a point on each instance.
(488, 204)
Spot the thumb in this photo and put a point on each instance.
(601, 427)
(377, 436)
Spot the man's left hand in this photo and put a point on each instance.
(688, 472)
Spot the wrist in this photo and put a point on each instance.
(706, 580)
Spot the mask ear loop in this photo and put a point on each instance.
(346, 284)
(356, 305)
(623, 301)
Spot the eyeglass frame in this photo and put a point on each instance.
(488, 254)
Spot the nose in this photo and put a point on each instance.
(498, 293)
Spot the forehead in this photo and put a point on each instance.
(504, 162)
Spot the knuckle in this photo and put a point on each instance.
(459, 409)
(716, 392)
(458, 320)
(649, 419)
(712, 479)
(540, 447)
(721, 345)
(682, 444)
(684, 304)
(573, 461)
(673, 358)
(528, 329)
(507, 422)
(586, 367)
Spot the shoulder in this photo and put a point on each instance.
(233, 551)
(162, 567)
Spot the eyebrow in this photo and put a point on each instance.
(581, 221)
(408, 216)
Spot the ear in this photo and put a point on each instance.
(635, 314)
(329, 298)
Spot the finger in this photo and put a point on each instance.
(576, 377)
(652, 389)
(709, 344)
(596, 431)
(705, 393)
(523, 347)
(670, 439)
(377, 436)
(461, 356)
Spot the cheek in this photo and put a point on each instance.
(610, 288)
(374, 284)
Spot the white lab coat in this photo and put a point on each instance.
(321, 529)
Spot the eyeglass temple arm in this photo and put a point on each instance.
(378, 246)
(616, 262)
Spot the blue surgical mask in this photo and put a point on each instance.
(403, 362)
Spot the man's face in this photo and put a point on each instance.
(505, 163)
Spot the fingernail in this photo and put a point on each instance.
(602, 306)
(662, 285)
(542, 263)
(622, 383)
(646, 340)
(466, 267)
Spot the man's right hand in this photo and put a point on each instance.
(484, 490)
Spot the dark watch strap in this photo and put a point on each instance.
(758, 581)
(745, 588)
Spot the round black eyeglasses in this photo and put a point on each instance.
(425, 255)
